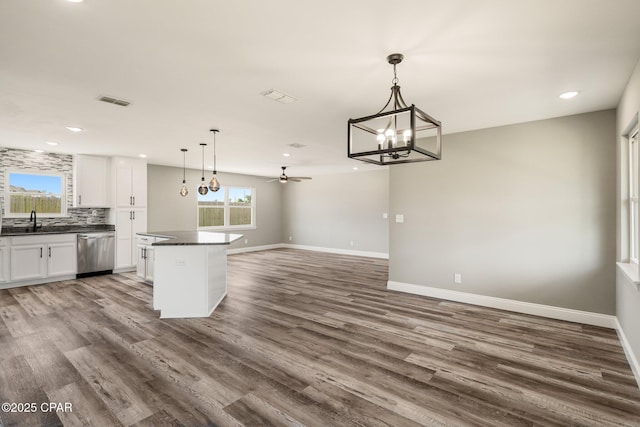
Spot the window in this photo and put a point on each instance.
(633, 196)
(42, 192)
(229, 207)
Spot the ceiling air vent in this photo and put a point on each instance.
(276, 95)
(112, 100)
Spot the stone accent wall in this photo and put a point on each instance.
(11, 158)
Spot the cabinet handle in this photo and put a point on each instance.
(134, 200)
(134, 215)
(79, 199)
(130, 201)
(41, 252)
(49, 252)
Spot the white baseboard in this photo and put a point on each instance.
(631, 357)
(570, 315)
(254, 248)
(367, 254)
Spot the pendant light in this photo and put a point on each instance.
(214, 184)
(183, 190)
(202, 189)
(397, 133)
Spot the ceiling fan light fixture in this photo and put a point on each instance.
(397, 133)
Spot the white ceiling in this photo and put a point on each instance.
(190, 65)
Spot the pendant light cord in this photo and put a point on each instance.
(214, 152)
(203, 161)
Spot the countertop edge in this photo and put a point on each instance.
(190, 238)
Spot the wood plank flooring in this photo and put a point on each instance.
(303, 338)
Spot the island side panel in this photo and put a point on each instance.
(217, 280)
(181, 282)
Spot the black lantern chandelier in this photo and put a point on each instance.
(401, 134)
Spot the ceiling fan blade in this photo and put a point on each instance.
(299, 177)
(271, 180)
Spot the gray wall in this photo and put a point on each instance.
(167, 210)
(523, 212)
(331, 211)
(628, 297)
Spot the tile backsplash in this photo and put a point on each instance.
(11, 158)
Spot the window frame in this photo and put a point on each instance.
(52, 173)
(226, 211)
(634, 212)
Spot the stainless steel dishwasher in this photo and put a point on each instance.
(96, 253)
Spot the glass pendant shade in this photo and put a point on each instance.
(184, 190)
(397, 133)
(203, 189)
(214, 184)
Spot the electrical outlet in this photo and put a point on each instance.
(399, 218)
(457, 278)
(290, 238)
(385, 215)
(351, 243)
(246, 241)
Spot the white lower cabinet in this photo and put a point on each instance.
(128, 223)
(40, 257)
(4, 260)
(146, 256)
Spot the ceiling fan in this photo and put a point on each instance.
(284, 178)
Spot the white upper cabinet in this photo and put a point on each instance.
(130, 182)
(90, 181)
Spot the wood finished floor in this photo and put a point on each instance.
(303, 338)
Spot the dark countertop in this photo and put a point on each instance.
(59, 229)
(180, 238)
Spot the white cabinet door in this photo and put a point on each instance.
(130, 182)
(139, 185)
(124, 227)
(141, 268)
(28, 262)
(150, 261)
(61, 259)
(128, 223)
(4, 264)
(91, 181)
(123, 186)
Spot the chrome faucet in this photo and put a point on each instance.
(34, 218)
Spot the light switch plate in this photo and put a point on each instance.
(399, 218)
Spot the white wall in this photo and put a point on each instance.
(524, 212)
(331, 211)
(627, 294)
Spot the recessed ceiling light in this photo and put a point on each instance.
(144, 156)
(286, 154)
(355, 168)
(39, 151)
(74, 129)
(569, 95)
(53, 144)
(75, 1)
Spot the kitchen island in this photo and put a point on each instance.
(190, 272)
